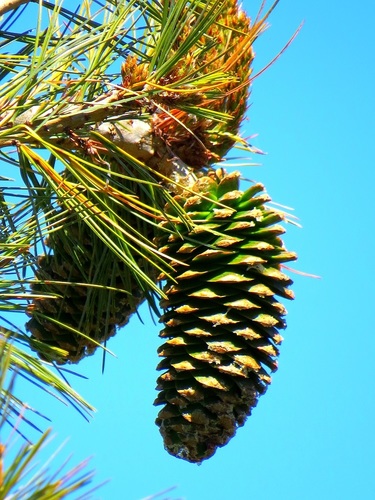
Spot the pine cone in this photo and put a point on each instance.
(221, 318)
(80, 315)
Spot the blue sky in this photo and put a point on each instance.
(312, 435)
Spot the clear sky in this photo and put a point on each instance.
(312, 435)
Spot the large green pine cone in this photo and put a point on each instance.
(221, 317)
(79, 317)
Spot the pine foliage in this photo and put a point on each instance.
(115, 119)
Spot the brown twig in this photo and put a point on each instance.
(7, 5)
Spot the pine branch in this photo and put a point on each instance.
(120, 144)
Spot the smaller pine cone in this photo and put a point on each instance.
(78, 316)
(221, 318)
